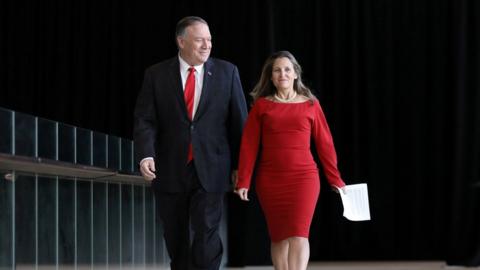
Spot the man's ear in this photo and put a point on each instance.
(180, 42)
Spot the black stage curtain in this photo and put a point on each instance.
(398, 80)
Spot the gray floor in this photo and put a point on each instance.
(404, 265)
(370, 266)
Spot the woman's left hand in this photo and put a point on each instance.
(339, 189)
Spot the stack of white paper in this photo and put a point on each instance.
(355, 202)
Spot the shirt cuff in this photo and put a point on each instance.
(147, 158)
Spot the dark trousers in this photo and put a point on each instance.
(191, 223)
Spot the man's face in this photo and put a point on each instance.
(195, 45)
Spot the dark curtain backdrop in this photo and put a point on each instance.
(398, 80)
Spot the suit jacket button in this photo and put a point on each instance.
(192, 127)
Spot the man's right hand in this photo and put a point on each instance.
(147, 168)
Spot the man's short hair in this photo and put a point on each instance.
(186, 22)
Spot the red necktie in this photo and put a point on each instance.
(189, 97)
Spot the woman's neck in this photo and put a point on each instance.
(285, 93)
(285, 96)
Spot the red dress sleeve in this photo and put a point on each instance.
(249, 147)
(325, 148)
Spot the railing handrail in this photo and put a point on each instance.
(43, 166)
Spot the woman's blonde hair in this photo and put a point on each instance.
(265, 87)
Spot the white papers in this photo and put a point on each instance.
(355, 202)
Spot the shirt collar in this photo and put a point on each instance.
(184, 66)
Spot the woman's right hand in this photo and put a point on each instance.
(242, 193)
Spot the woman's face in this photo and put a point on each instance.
(283, 74)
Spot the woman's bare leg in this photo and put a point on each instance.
(298, 253)
(279, 252)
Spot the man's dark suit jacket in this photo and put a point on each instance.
(163, 129)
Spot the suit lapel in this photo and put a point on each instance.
(208, 75)
(177, 87)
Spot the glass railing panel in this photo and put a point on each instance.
(84, 146)
(113, 153)
(114, 226)
(100, 233)
(149, 229)
(47, 138)
(84, 223)
(99, 149)
(24, 135)
(66, 143)
(6, 220)
(5, 131)
(139, 225)
(25, 221)
(66, 222)
(126, 156)
(47, 221)
(127, 225)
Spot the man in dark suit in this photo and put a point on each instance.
(188, 122)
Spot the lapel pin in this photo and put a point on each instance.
(209, 73)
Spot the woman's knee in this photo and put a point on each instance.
(297, 241)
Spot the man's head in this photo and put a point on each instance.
(193, 40)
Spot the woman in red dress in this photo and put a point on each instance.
(284, 118)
